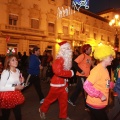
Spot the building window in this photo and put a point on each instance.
(94, 36)
(66, 2)
(108, 39)
(65, 30)
(102, 37)
(35, 23)
(76, 32)
(51, 27)
(13, 19)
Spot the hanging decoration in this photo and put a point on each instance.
(63, 12)
(77, 4)
(10, 51)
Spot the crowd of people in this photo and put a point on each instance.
(91, 76)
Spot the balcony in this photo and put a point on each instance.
(22, 30)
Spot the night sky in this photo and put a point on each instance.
(100, 5)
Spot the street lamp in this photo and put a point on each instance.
(115, 22)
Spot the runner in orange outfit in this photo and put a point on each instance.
(98, 83)
(82, 65)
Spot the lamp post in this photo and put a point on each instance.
(115, 22)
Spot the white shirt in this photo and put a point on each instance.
(8, 78)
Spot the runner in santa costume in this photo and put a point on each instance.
(59, 86)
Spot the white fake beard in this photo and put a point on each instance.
(67, 56)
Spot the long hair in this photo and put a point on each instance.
(85, 47)
(7, 61)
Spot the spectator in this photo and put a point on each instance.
(73, 80)
(44, 65)
(116, 61)
(49, 72)
(23, 60)
(34, 72)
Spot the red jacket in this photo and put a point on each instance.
(60, 75)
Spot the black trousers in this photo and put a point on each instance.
(78, 89)
(98, 114)
(35, 80)
(16, 111)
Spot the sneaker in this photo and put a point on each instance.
(69, 101)
(67, 118)
(87, 109)
(42, 115)
(41, 102)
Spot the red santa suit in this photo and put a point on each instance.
(59, 89)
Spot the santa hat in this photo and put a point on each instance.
(64, 44)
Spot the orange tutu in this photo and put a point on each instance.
(10, 99)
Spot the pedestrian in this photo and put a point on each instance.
(82, 64)
(116, 61)
(44, 65)
(11, 84)
(59, 82)
(112, 114)
(73, 80)
(34, 72)
(98, 83)
(49, 72)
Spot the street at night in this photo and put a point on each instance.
(31, 105)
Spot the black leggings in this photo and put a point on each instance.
(16, 111)
(35, 80)
(78, 90)
(98, 114)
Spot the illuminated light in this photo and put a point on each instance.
(112, 21)
(77, 4)
(73, 43)
(100, 44)
(116, 16)
(115, 23)
(119, 23)
(58, 40)
(63, 12)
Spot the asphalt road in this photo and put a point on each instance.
(31, 105)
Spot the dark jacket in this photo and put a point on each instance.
(34, 63)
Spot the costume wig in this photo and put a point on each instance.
(103, 51)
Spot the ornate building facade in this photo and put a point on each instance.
(25, 23)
